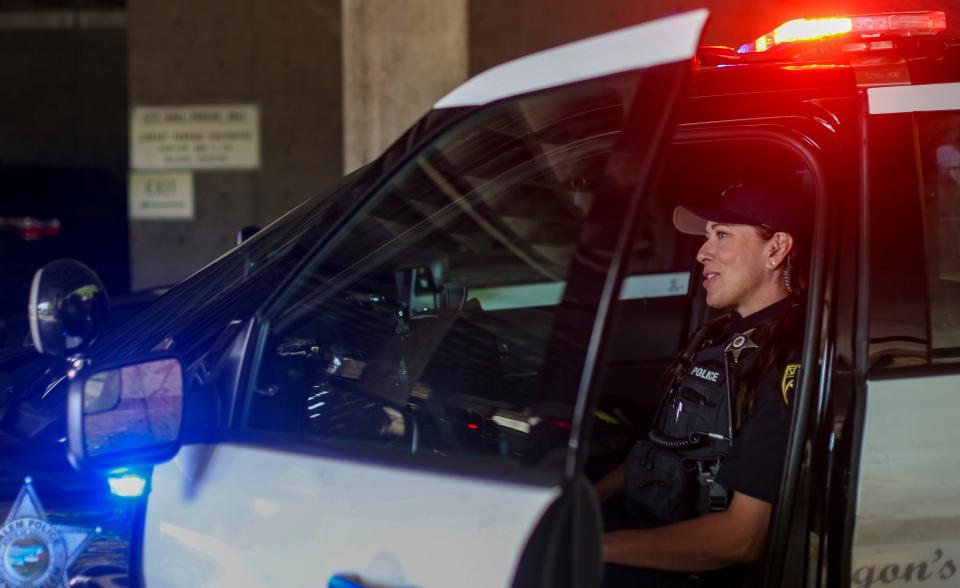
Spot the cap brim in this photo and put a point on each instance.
(688, 221)
(693, 221)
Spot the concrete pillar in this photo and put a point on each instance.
(283, 56)
(399, 57)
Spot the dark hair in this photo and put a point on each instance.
(778, 339)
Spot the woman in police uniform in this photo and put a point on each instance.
(699, 493)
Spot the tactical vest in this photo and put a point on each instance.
(673, 477)
(697, 408)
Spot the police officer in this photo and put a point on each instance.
(699, 492)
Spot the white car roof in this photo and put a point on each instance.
(666, 40)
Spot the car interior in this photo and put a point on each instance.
(441, 342)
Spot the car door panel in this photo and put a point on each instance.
(907, 519)
(262, 517)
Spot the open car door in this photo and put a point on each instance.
(407, 405)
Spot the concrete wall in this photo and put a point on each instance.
(63, 91)
(284, 56)
(399, 57)
(336, 80)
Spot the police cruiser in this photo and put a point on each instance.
(414, 380)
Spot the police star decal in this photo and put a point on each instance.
(35, 553)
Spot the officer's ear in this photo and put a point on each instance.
(779, 246)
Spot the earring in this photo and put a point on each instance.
(787, 279)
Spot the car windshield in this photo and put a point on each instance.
(232, 286)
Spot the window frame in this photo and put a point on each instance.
(820, 154)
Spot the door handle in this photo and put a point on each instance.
(345, 581)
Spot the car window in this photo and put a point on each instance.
(914, 214)
(451, 314)
(939, 140)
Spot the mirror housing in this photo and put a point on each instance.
(126, 414)
(68, 307)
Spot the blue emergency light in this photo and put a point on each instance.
(126, 483)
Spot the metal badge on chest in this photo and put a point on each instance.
(740, 343)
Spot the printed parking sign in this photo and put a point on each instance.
(33, 552)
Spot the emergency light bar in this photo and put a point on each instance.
(903, 24)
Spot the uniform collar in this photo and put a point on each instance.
(741, 324)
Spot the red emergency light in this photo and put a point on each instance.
(903, 24)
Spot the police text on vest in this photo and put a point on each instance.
(705, 374)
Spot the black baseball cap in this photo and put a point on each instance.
(759, 205)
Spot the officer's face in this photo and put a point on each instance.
(736, 268)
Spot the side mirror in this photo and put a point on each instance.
(126, 414)
(68, 307)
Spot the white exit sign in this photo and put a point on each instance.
(162, 195)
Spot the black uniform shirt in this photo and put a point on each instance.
(753, 465)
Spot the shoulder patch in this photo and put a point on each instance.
(789, 381)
